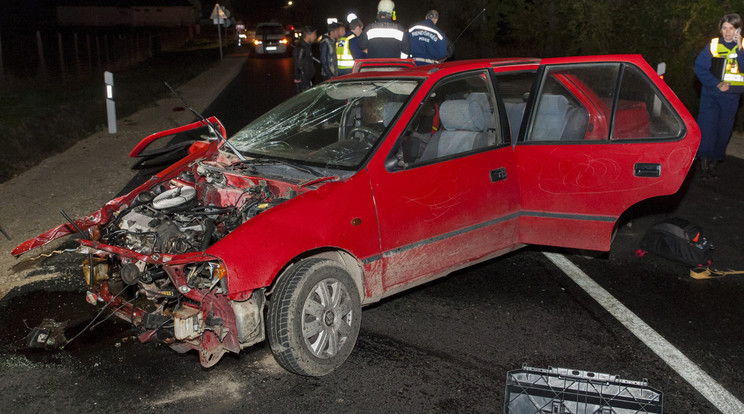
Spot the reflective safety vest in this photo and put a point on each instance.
(733, 75)
(345, 59)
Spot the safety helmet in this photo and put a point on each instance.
(385, 6)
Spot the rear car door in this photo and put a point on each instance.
(598, 135)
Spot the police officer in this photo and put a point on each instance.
(304, 68)
(328, 59)
(428, 43)
(719, 98)
(348, 48)
(385, 38)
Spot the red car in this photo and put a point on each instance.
(371, 184)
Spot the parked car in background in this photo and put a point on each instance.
(373, 183)
(271, 38)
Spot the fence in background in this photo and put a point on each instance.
(73, 54)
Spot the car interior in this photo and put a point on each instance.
(458, 116)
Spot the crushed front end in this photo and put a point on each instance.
(146, 261)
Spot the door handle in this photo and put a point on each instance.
(498, 174)
(645, 169)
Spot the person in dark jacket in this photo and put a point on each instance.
(348, 50)
(328, 58)
(719, 97)
(304, 67)
(385, 38)
(428, 43)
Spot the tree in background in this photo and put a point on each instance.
(671, 32)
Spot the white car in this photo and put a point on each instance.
(270, 38)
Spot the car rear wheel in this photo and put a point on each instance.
(314, 317)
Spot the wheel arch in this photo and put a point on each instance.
(336, 254)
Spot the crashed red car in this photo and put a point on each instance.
(371, 184)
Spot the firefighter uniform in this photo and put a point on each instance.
(718, 109)
(384, 39)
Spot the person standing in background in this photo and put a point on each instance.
(328, 59)
(348, 49)
(719, 97)
(304, 67)
(428, 43)
(385, 38)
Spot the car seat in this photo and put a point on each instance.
(558, 120)
(462, 129)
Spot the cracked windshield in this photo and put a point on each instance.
(333, 125)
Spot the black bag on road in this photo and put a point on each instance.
(679, 240)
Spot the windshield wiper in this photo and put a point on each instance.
(259, 161)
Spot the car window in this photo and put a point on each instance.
(458, 116)
(514, 90)
(269, 30)
(579, 103)
(574, 103)
(335, 124)
(642, 112)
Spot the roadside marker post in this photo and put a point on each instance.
(108, 78)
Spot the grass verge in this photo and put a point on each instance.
(39, 119)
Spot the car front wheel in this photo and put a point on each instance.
(314, 317)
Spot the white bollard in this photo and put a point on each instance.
(108, 78)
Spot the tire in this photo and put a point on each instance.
(320, 296)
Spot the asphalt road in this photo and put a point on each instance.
(443, 347)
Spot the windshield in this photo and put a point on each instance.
(333, 125)
(270, 30)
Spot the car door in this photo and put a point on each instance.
(447, 193)
(599, 135)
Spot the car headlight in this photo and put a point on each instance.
(257, 42)
(283, 41)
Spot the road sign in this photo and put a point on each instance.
(219, 14)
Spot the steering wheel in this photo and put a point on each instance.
(367, 134)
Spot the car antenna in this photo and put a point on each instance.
(206, 122)
(471, 22)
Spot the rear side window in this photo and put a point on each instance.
(642, 112)
(574, 103)
(600, 102)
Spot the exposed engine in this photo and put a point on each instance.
(186, 303)
(189, 213)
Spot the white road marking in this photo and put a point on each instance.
(693, 374)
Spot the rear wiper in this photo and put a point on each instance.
(258, 161)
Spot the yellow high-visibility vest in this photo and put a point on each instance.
(345, 59)
(733, 73)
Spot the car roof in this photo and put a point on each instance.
(446, 67)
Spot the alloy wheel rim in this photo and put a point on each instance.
(327, 317)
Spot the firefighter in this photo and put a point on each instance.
(719, 97)
(328, 60)
(428, 43)
(385, 38)
(348, 48)
(304, 67)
